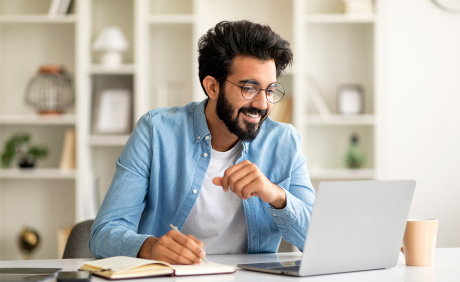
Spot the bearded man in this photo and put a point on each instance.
(230, 178)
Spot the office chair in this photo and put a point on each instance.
(78, 242)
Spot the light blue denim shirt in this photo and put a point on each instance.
(160, 172)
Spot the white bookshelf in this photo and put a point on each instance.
(37, 120)
(334, 120)
(123, 69)
(108, 140)
(341, 174)
(37, 19)
(163, 37)
(171, 19)
(44, 197)
(337, 49)
(339, 18)
(37, 174)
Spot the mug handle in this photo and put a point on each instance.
(402, 250)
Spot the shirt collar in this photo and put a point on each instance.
(201, 126)
(199, 121)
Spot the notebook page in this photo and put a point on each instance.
(202, 268)
(121, 263)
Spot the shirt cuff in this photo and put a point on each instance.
(287, 214)
(134, 244)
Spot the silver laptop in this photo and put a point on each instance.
(355, 225)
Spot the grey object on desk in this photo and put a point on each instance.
(26, 274)
(355, 226)
(78, 243)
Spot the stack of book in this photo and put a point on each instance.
(60, 7)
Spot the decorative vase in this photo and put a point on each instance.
(355, 157)
(50, 90)
(28, 240)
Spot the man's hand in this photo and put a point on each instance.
(174, 248)
(246, 180)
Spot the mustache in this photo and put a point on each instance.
(252, 111)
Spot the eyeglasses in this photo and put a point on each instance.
(251, 89)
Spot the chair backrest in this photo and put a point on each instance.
(78, 242)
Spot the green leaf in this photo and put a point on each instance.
(38, 152)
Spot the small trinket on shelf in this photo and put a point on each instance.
(355, 157)
(50, 90)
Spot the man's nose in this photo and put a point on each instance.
(260, 102)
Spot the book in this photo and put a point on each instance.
(60, 7)
(64, 7)
(122, 267)
(54, 7)
(68, 150)
(317, 97)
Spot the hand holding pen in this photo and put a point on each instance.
(177, 229)
(174, 248)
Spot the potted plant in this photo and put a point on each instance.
(19, 146)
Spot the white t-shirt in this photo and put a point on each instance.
(217, 218)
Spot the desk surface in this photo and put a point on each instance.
(446, 268)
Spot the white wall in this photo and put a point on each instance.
(422, 123)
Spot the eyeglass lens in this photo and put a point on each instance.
(274, 91)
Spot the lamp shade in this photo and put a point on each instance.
(110, 39)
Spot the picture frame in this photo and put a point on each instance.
(112, 112)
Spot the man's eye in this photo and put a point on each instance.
(249, 88)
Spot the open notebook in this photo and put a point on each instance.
(128, 267)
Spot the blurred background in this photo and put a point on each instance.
(373, 91)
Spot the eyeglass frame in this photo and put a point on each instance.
(266, 98)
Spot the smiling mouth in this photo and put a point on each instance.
(252, 117)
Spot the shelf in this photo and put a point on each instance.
(108, 140)
(317, 120)
(171, 19)
(37, 19)
(340, 18)
(123, 69)
(341, 174)
(38, 120)
(37, 173)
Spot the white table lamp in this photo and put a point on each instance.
(112, 42)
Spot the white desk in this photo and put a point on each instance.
(446, 268)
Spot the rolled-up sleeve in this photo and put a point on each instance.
(293, 220)
(114, 232)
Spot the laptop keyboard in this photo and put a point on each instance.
(294, 268)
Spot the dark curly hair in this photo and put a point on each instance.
(219, 46)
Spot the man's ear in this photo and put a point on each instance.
(212, 87)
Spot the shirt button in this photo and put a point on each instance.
(274, 214)
(207, 137)
(199, 137)
(205, 155)
(194, 191)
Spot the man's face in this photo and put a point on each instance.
(242, 117)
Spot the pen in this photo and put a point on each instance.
(177, 229)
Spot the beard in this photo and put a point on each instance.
(225, 110)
